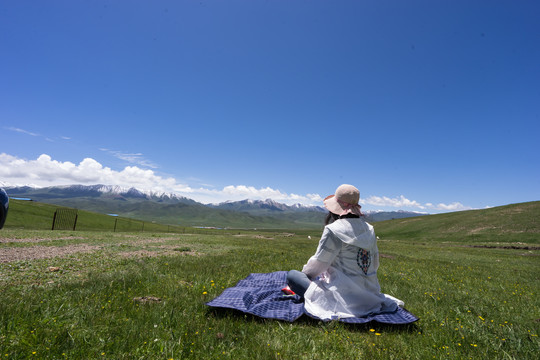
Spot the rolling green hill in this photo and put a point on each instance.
(516, 223)
(38, 215)
(194, 214)
(177, 210)
(164, 208)
(504, 224)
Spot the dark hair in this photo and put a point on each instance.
(331, 217)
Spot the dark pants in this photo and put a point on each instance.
(298, 282)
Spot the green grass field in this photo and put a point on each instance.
(140, 295)
(153, 216)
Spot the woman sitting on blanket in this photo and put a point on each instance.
(340, 280)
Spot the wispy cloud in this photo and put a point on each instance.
(22, 131)
(132, 158)
(44, 171)
(26, 132)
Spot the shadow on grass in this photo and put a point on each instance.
(305, 320)
(381, 327)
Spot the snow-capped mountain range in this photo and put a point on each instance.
(68, 191)
(268, 204)
(102, 195)
(123, 191)
(99, 190)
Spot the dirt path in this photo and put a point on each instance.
(151, 248)
(43, 252)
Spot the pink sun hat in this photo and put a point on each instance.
(344, 201)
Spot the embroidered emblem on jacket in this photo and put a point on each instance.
(363, 259)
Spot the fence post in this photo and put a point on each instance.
(53, 220)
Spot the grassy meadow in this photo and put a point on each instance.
(141, 295)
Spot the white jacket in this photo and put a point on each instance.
(346, 263)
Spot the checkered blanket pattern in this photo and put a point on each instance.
(260, 294)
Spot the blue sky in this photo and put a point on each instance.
(423, 105)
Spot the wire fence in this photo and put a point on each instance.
(64, 219)
(123, 224)
(40, 216)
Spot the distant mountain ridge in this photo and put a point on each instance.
(99, 190)
(264, 206)
(379, 215)
(268, 206)
(173, 209)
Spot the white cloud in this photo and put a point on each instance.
(398, 202)
(402, 202)
(44, 171)
(250, 191)
(242, 192)
(455, 206)
(315, 197)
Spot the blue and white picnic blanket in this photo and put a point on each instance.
(260, 294)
